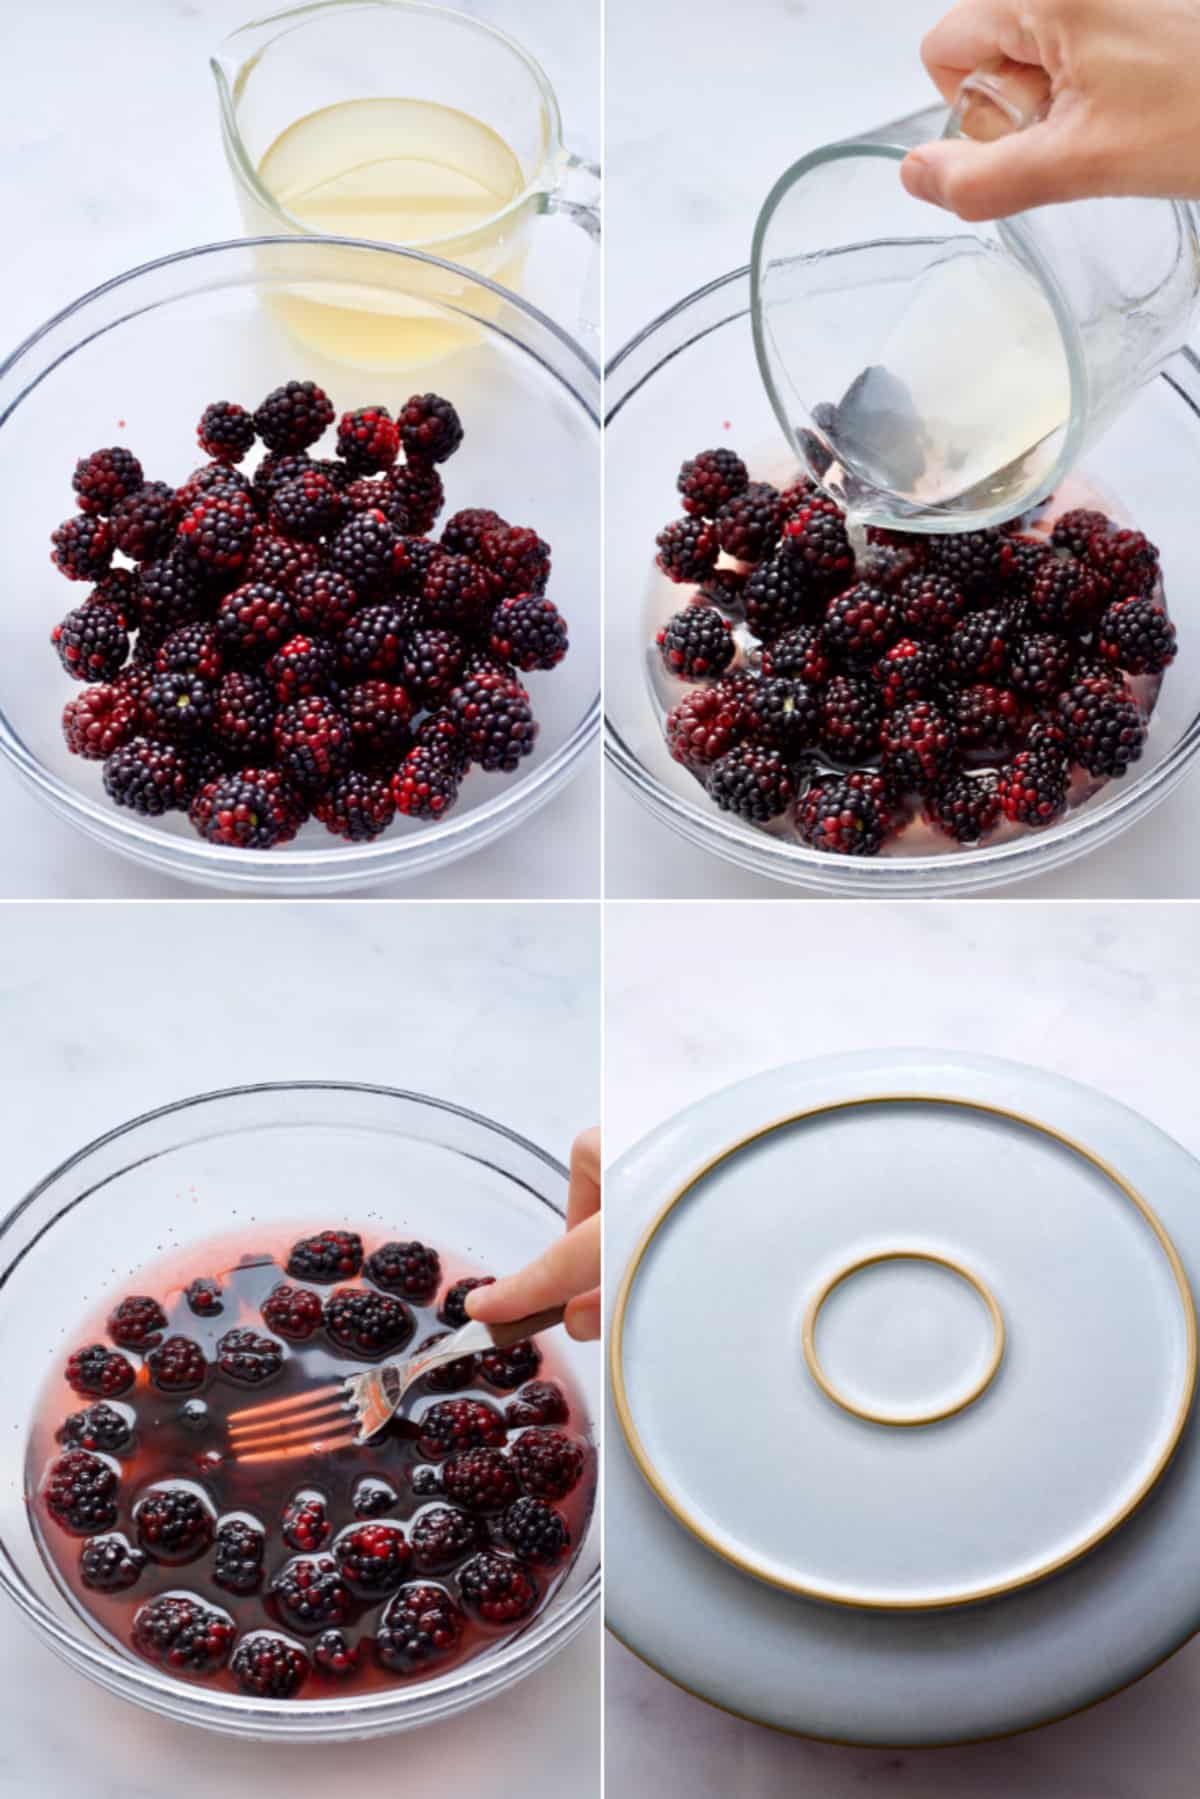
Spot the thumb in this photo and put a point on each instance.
(569, 1267)
(990, 181)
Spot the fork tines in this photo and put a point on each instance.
(305, 1424)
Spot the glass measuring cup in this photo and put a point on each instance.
(331, 111)
(941, 376)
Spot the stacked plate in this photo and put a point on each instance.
(903, 1362)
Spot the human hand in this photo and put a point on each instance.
(1123, 115)
(569, 1271)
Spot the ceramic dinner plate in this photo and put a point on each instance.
(901, 1452)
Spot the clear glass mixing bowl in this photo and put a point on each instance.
(690, 380)
(136, 361)
(273, 1154)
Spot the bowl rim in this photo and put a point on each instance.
(191, 857)
(218, 1708)
(942, 874)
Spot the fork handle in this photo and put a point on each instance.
(517, 1329)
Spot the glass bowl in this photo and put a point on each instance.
(275, 1154)
(136, 361)
(690, 380)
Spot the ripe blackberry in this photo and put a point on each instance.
(150, 778)
(800, 653)
(374, 1558)
(302, 667)
(986, 718)
(441, 733)
(430, 428)
(83, 547)
(978, 648)
(92, 642)
(696, 642)
(450, 1377)
(173, 1524)
(241, 1550)
(368, 440)
(294, 1312)
(505, 1369)
(106, 477)
(137, 1322)
(219, 531)
(329, 1256)
(515, 559)
(323, 602)
(709, 480)
(541, 1402)
(373, 643)
(184, 1634)
(373, 1497)
(306, 507)
(453, 1310)
(908, 671)
(966, 806)
(110, 1565)
(179, 707)
(724, 588)
(748, 526)
(978, 562)
(841, 817)
(930, 604)
(81, 1493)
(281, 562)
(293, 416)
(535, 1532)
(530, 632)
(251, 1360)
(918, 744)
(860, 624)
(788, 715)
(226, 431)
(815, 537)
(1063, 596)
(1126, 560)
(143, 523)
(305, 1523)
(1039, 664)
(212, 477)
(178, 1365)
(1074, 530)
(443, 1535)
(379, 714)
(267, 1666)
(99, 1370)
(171, 594)
(244, 716)
(548, 1464)
(751, 781)
(452, 1425)
(358, 806)
(497, 721)
(107, 1429)
(420, 1626)
(1137, 636)
(497, 1590)
(1032, 788)
(368, 1324)
(483, 1480)
(312, 742)
(797, 495)
(409, 1269)
(778, 596)
(190, 649)
(334, 1655)
(121, 588)
(463, 531)
(1104, 726)
(204, 1298)
(851, 717)
(412, 498)
(455, 594)
(707, 723)
(411, 563)
(309, 1594)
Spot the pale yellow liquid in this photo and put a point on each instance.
(406, 172)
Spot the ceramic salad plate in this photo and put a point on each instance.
(903, 1358)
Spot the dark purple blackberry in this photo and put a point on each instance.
(358, 806)
(172, 594)
(312, 742)
(1104, 726)
(1074, 530)
(110, 1565)
(226, 431)
(212, 477)
(302, 667)
(374, 641)
(548, 1463)
(374, 1557)
(251, 1360)
(106, 1429)
(281, 562)
(529, 632)
(183, 1634)
(413, 497)
(121, 588)
(986, 718)
(463, 531)
(797, 495)
(92, 642)
(190, 650)
(379, 714)
(241, 1550)
(506, 1369)
(218, 532)
(1125, 561)
(440, 732)
(80, 1493)
(307, 507)
(368, 440)
(293, 1312)
(143, 523)
(285, 467)
(709, 480)
(335, 1656)
(541, 1402)
(1062, 596)
(919, 744)
(150, 778)
(368, 1324)
(1032, 788)
(100, 1370)
(908, 671)
(309, 1594)
(364, 552)
(443, 1535)
(137, 1322)
(753, 782)
(453, 1309)
(430, 428)
(453, 1425)
(455, 594)
(177, 1366)
(106, 477)
(174, 1523)
(497, 721)
(977, 562)
(323, 602)
(696, 642)
(815, 538)
(305, 1523)
(329, 1256)
(480, 1479)
(98, 721)
(687, 549)
(410, 1269)
(978, 648)
(930, 604)
(83, 547)
(748, 526)
(497, 1590)
(244, 716)
(432, 664)
(800, 654)
(251, 808)
(178, 707)
(842, 817)
(788, 714)
(535, 1532)
(515, 559)
(420, 1626)
(1137, 636)
(966, 806)
(267, 1666)
(372, 1497)
(293, 416)
(414, 558)
(426, 784)
(851, 716)
(1039, 664)
(778, 596)
(860, 624)
(204, 1298)
(448, 1377)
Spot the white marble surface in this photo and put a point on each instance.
(111, 154)
(1104, 994)
(494, 1007)
(705, 109)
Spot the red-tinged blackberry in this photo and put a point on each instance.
(1032, 788)
(324, 602)
(110, 1564)
(930, 604)
(986, 718)
(106, 1429)
(284, 467)
(92, 642)
(1104, 726)
(412, 498)
(178, 707)
(121, 588)
(293, 416)
(379, 714)
(752, 781)
(218, 531)
(106, 477)
(497, 1590)
(453, 1425)
(80, 1493)
(174, 1523)
(815, 538)
(177, 1366)
(1062, 596)
(1137, 636)
(172, 594)
(443, 1535)
(150, 778)
(366, 493)
(192, 650)
(978, 648)
(787, 714)
(453, 1309)
(506, 1369)
(309, 1594)
(529, 632)
(800, 654)
(240, 1552)
(548, 1464)
(143, 523)
(267, 1666)
(182, 1633)
(305, 1523)
(778, 596)
(312, 742)
(335, 1656)
(860, 624)
(516, 559)
(541, 1402)
(966, 806)
(463, 531)
(535, 1532)
(748, 526)
(226, 431)
(449, 1377)
(373, 1497)
(306, 507)
(797, 495)
(497, 722)
(329, 1256)
(1074, 529)
(919, 744)
(483, 1480)
(441, 733)
(455, 594)
(99, 1370)
(411, 563)
(302, 667)
(374, 1558)
(368, 1324)
(374, 641)
(709, 480)
(1039, 664)
(430, 428)
(421, 1625)
(204, 1298)
(908, 671)
(851, 717)
(137, 1322)
(481, 662)
(1126, 560)
(842, 819)
(294, 1312)
(251, 1360)
(281, 562)
(695, 642)
(83, 547)
(411, 1270)
(976, 561)
(211, 477)
(244, 716)
(368, 440)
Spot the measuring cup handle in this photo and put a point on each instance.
(999, 97)
(577, 197)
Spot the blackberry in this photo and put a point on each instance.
(204, 1298)
(452, 1425)
(173, 1524)
(83, 547)
(150, 778)
(725, 588)
(184, 1634)
(800, 653)
(329, 1256)
(374, 1558)
(535, 1532)
(92, 642)
(379, 713)
(281, 562)
(412, 498)
(978, 648)
(143, 523)
(368, 1324)
(420, 1626)
(966, 806)
(497, 721)
(368, 440)
(918, 744)
(842, 818)
(815, 538)
(179, 707)
(373, 1497)
(752, 781)
(309, 1594)
(778, 596)
(505, 1369)
(105, 1428)
(986, 718)
(453, 1310)
(334, 1656)
(312, 742)
(1040, 664)
(887, 566)
(497, 1590)
(930, 604)
(293, 416)
(306, 507)
(110, 1565)
(480, 1479)
(1032, 788)
(541, 1402)
(249, 1359)
(851, 717)
(788, 714)
(121, 588)
(797, 495)
(323, 602)
(305, 1524)
(748, 526)
(241, 1550)
(1104, 726)
(171, 594)
(707, 723)
(530, 632)
(709, 480)
(294, 1312)
(358, 806)
(226, 431)
(696, 642)
(301, 668)
(516, 560)
(1074, 530)
(412, 561)
(430, 428)
(1136, 635)
(137, 1322)
(450, 1377)
(244, 716)
(440, 732)
(426, 1482)
(978, 562)
(1062, 596)
(219, 531)
(547, 1463)
(463, 532)
(455, 594)
(908, 671)
(212, 477)
(373, 643)
(81, 1493)
(860, 624)
(267, 1666)
(444, 1535)
(409, 1269)
(191, 650)
(106, 477)
(1126, 561)
(177, 1366)
(99, 1370)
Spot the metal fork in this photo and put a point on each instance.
(324, 1418)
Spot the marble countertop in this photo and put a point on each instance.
(419, 1023)
(1104, 994)
(111, 151)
